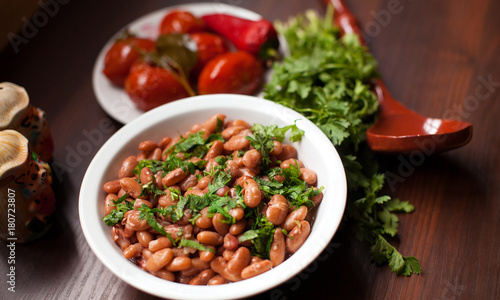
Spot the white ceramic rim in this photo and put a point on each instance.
(99, 237)
(113, 99)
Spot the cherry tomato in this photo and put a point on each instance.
(150, 86)
(232, 72)
(181, 22)
(209, 46)
(121, 56)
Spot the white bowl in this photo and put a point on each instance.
(315, 150)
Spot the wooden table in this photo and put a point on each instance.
(441, 58)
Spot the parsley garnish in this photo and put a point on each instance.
(263, 137)
(328, 79)
(116, 215)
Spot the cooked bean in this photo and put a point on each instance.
(210, 238)
(236, 142)
(277, 148)
(142, 156)
(156, 154)
(218, 264)
(139, 202)
(109, 205)
(147, 146)
(231, 131)
(146, 253)
(309, 176)
(112, 187)
(164, 274)
(297, 236)
(278, 248)
(287, 152)
(194, 191)
(318, 198)
(230, 242)
(127, 231)
(174, 177)
(131, 187)
(166, 200)
(292, 161)
(178, 264)
(238, 227)
(204, 221)
(296, 215)
(252, 195)
(215, 150)
(219, 225)
(197, 265)
(222, 191)
(133, 251)
(160, 243)
(128, 165)
(144, 238)
(159, 259)
(255, 259)
(211, 165)
(134, 222)
(228, 254)
(237, 213)
(203, 277)
(177, 231)
(165, 142)
(146, 175)
(256, 269)
(203, 182)
(244, 171)
(252, 158)
(239, 261)
(277, 209)
(207, 255)
(211, 124)
(233, 168)
(188, 182)
(239, 123)
(216, 280)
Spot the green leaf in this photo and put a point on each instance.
(179, 48)
(194, 244)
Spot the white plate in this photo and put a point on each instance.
(315, 150)
(114, 100)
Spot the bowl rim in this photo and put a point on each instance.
(105, 249)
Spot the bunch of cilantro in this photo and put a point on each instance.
(328, 79)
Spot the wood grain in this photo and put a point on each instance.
(432, 56)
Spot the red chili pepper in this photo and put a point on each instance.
(256, 37)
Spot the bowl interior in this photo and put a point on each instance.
(315, 150)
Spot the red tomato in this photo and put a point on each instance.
(232, 72)
(181, 22)
(150, 86)
(121, 56)
(209, 46)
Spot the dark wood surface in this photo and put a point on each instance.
(433, 55)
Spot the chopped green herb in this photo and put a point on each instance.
(116, 215)
(194, 244)
(147, 214)
(328, 79)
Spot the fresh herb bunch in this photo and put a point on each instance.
(328, 79)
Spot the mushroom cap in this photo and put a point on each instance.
(14, 101)
(13, 150)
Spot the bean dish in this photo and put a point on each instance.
(223, 202)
